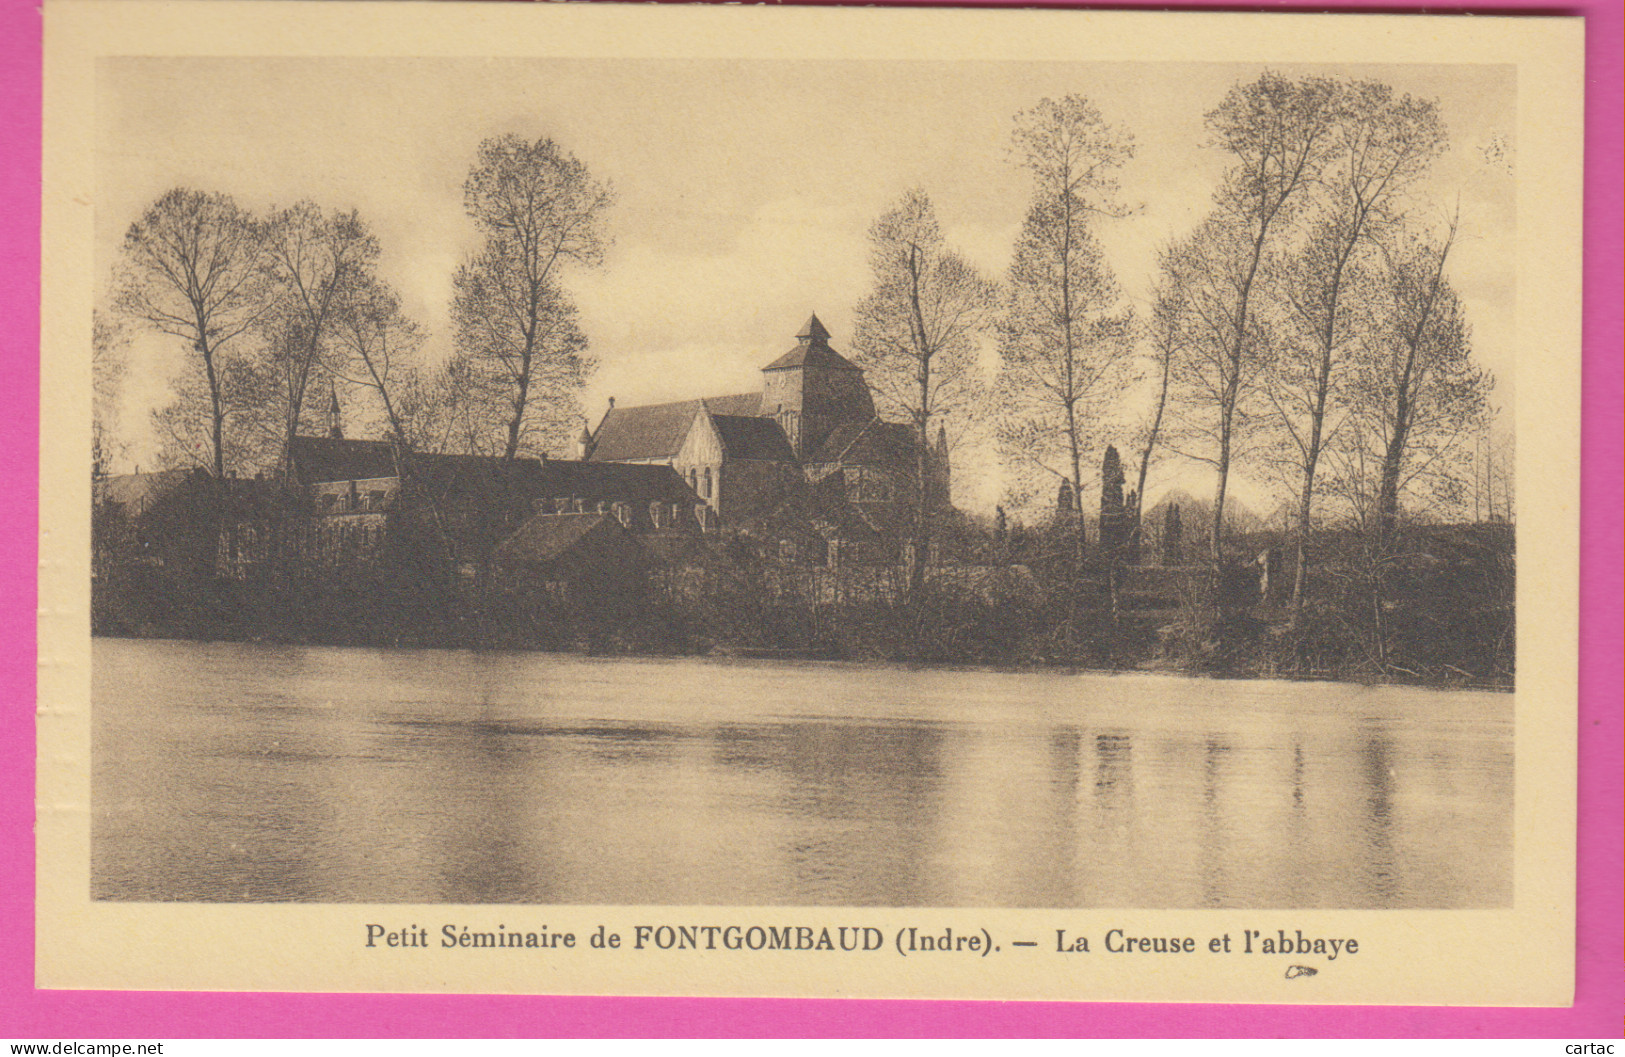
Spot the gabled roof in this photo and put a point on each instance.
(545, 537)
(872, 443)
(318, 459)
(760, 439)
(613, 482)
(812, 350)
(656, 431)
(479, 476)
(821, 509)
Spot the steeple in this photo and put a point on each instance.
(335, 428)
(813, 332)
(813, 350)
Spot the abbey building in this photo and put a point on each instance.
(807, 454)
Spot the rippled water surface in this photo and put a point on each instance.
(274, 773)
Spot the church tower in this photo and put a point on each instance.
(812, 389)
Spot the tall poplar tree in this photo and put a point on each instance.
(1064, 330)
(193, 268)
(1380, 145)
(1277, 136)
(318, 263)
(525, 356)
(918, 334)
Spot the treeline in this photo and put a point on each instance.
(1441, 614)
(1305, 333)
(280, 313)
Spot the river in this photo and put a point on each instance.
(231, 772)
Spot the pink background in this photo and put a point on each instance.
(29, 1013)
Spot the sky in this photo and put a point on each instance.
(744, 189)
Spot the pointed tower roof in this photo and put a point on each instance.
(335, 426)
(813, 331)
(812, 350)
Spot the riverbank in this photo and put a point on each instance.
(613, 646)
(1438, 614)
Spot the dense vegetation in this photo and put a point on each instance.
(1437, 607)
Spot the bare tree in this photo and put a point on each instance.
(524, 382)
(241, 402)
(318, 264)
(1166, 331)
(1416, 400)
(192, 269)
(1212, 385)
(1380, 145)
(444, 403)
(539, 209)
(1278, 134)
(1064, 332)
(1420, 386)
(1494, 454)
(918, 333)
(108, 366)
(377, 345)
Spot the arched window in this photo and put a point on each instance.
(705, 484)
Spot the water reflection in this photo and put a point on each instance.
(242, 773)
(1376, 770)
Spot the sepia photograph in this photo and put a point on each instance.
(441, 524)
(792, 481)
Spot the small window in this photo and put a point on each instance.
(705, 484)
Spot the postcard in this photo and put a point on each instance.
(813, 502)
